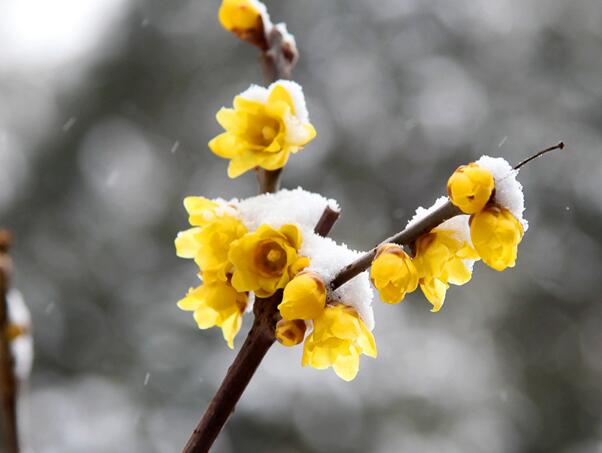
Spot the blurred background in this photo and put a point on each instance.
(106, 108)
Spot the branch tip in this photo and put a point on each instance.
(560, 146)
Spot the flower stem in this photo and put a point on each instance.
(8, 382)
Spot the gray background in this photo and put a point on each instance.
(106, 108)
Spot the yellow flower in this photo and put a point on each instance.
(243, 18)
(393, 273)
(440, 260)
(304, 297)
(338, 339)
(290, 333)
(201, 211)
(266, 259)
(264, 128)
(216, 303)
(470, 187)
(496, 233)
(209, 245)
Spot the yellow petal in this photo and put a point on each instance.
(187, 245)
(347, 366)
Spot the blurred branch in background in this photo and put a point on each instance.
(8, 381)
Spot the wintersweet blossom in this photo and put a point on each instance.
(266, 259)
(496, 233)
(247, 19)
(393, 273)
(440, 260)
(470, 187)
(304, 297)
(264, 128)
(216, 303)
(202, 211)
(290, 332)
(209, 245)
(337, 340)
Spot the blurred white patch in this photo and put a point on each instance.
(48, 33)
(122, 168)
(22, 346)
(95, 415)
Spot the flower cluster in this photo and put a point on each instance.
(489, 229)
(266, 243)
(249, 250)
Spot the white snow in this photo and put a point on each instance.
(286, 206)
(265, 17)
(22, 346)
(508, 191)
(287, 38)
(260, 94)
(296, 92)
(327, 258)
(255, 93)
(304, 209)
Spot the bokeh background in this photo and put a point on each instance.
(106, 108)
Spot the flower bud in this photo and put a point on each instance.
(304, 297)
(470, 188)
(495, 234)
(393, 273)
(290, 333)
(245, 18)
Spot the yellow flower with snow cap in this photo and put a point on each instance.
(393, 273)
(266, 259)
(304, 297)
(216, 303)
(440, 260)
(470, 187)
(338, 339)
(264, 128)
(496, 233)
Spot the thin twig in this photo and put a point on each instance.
(8, 380)
(560, 145)
(405, 237)
(327, 220)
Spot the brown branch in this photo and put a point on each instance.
(259, 340)
(8, 381)
(326, 222)
(415, 230)
(268, 180)
(405, 237)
